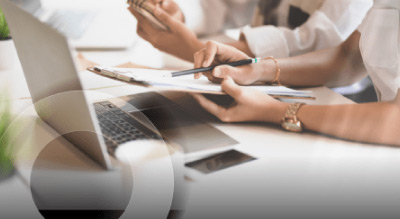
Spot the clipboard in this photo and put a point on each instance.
(160, 83)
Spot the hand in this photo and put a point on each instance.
(85, 63)
(172, 8)
(251, 105)
(217, 53)
(180, 41)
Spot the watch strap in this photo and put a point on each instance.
(293, 109)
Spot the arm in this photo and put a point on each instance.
(370, 123)
(178, 41)
(334, 22)
(339, 65)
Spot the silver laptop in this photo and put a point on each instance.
(87, 28)
(97, 129)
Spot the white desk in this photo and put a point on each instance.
(294, 173)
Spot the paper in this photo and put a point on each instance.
(162, 78)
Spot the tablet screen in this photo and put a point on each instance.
(220, 161)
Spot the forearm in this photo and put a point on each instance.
(369, 123)
(313, 69)
(340, 65)
(187, 51)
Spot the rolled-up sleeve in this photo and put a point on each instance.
(329, 26)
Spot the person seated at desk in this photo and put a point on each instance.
(376, 46)
(291, 27)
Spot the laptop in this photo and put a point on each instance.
(87, 28)
(98, 129)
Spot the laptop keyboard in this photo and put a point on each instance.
(118, 127)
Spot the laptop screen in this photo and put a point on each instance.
(31, 6)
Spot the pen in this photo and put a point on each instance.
(120, 75)
(198, 70)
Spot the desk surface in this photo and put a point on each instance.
(302, 170)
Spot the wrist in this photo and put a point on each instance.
(275, 112)
(195, 46)
(269, 71)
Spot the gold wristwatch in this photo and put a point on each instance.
(290, 122)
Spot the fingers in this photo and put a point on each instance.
(232, 89)
(210, 53)
(165, 18)
(144, 28)
(157, 2)
(165, 4)
(205, 57)
(138, 16)
(224, 71)
(213, 79)
(199, 58)
(198, 61)
(220, 112)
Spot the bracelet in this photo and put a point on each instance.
(277, 72)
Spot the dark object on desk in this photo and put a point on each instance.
(360, 92)
(220, 161)
(222, 100)
(153, 111)
(175, 125)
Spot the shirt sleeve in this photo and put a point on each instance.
(379, 47)
(329, 26)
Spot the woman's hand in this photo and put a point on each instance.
(216, 53)
(172, 8)
(250, 105)
(179, 41)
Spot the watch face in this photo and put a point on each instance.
(292, 126)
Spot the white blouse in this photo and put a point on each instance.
(331, 22)
(380, 47)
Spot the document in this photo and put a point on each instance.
(162, 79)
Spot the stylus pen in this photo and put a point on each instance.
(198, 70)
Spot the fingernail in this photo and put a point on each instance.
(205, 64)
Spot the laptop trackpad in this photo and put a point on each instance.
(191, 134)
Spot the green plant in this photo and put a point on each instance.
(5, 151)
(4, 31)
